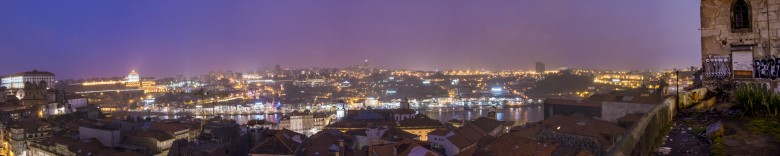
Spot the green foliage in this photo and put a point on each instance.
(764, 126)
(756, 101)
(698, 130)
(562, 83)
(718, 147)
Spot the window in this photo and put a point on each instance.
(740, 19)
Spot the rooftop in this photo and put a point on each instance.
(603, 131)
(512, 145)
(33, 73)
(284, 142)
(156, 134)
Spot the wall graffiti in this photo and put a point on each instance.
(717, 67)
(768, 68)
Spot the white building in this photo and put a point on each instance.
(302, 122)
(16, 81)
(107, 136)
(133, 77)
(76, 101)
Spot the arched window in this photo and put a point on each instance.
(740, 19)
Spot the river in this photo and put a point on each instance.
(523, 114)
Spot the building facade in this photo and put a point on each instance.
(17, 81)
(107, 136)
(302, 122)
(19, 133)
(540, 67)
(740, 41)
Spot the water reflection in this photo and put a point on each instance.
(240, 119)
(520, 115)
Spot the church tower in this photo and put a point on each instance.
(405, 104)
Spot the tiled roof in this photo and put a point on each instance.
(171, 128)
(603, 131)
(421, 122)
(156, 134)
(460, 141)
(487, 124)
(284, 142)
(111, 152)
(404, 111)
(85, 147)
(384, 150)
(630, 117)
(395, 134)
(322, 142)
(29, 126)
(360, 124)
(34, 73)
(51, 141)
(467, 135)
(527, 131)
(513, 145)
(439, 132)
(404, 147)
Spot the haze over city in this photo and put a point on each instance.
(78, 39)
(390, 78)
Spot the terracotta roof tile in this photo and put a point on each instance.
(513, 145)
(156, 134)
(284, 142)
(603, 131)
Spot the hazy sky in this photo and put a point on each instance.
(76, 39)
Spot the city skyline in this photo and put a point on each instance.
(103, 39)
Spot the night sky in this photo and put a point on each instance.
(80, 39)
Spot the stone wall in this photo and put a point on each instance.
(643, 137)
(718, 39)
(717, 35)
(611, 111)
(689, 98)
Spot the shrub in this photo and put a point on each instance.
(756, 101)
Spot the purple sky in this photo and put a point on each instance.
(164, 38)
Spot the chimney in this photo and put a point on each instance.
(342, 150)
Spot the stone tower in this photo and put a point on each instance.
(34, 93)
(405, 104)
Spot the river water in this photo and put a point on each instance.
(520, 115)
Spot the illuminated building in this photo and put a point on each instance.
(110, 82)
(620, 79)
(455, 141)
(18, 80)
(301, 122)
(133, 80)
(133, 77)
(403, 119)
(19, 133)
(311, 82)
